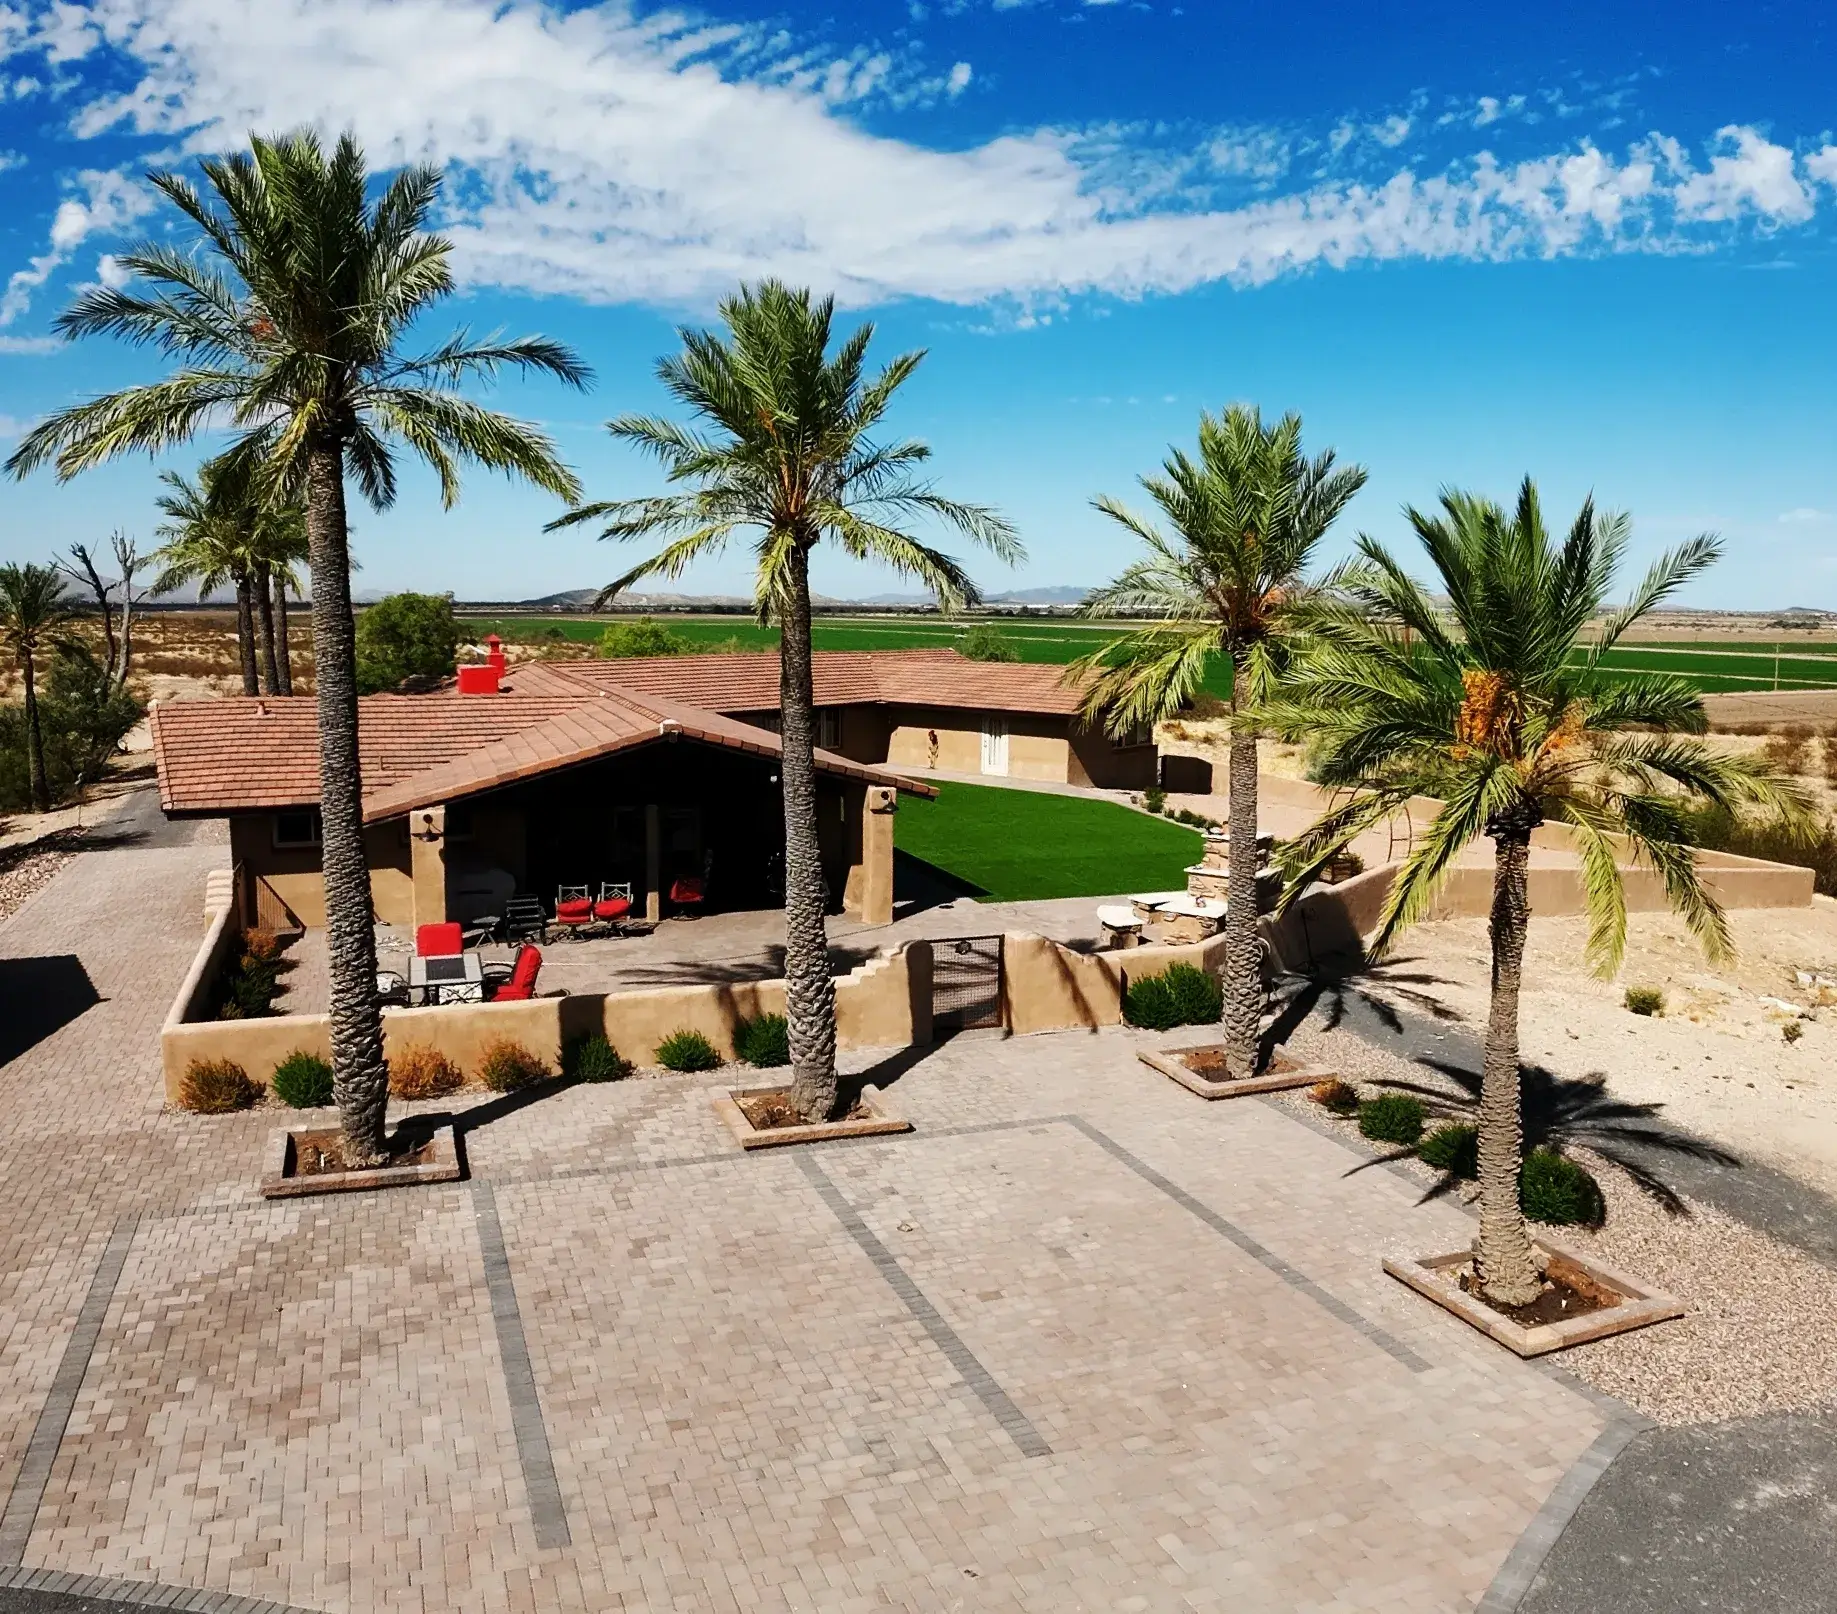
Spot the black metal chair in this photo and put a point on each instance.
(525, 919)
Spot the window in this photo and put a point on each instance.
(298, 826)
(829, 728)
(1137, 734)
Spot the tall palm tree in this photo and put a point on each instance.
(281, 542)
(209, 542)
(1501, 706)
(289, 321)
(1229, 581)
(34, 612)
(781, 448)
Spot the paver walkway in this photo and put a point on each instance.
(1080, 1341)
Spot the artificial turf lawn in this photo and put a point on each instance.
(1022, 845)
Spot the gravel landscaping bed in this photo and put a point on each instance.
(27, 870)
(1753, 1341)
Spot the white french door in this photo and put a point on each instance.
(994, 743)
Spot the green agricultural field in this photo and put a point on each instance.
(1024, 845)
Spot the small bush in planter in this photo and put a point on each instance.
(1553, 1188)
(1392, 1118)
(592, 1059)
(420, 1071)
(765, 1042)
(1179, 996)
(217, 1086)
(303, 1081)
(507, 1065)
(1454, 1148)
(1645, 1000)
(687, 1050)
(1335, 1096)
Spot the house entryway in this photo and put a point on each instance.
(995, 744)
(966, 984)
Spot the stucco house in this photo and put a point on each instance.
(638, 772)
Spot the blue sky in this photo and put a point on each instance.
(1594, 243)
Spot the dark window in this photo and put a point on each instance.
(829, 728)
(298, 826)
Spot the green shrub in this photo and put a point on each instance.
(1454, 1148)
(687, 1050)
(303, 1081)
(217, 1086)
(507, 1065)
(1553, 1188)
(765, 1042)
(986, 642)
(1645, 1000)
(1392, 1118)
(592, 1059)
(1154, 798)
(1792, 1030)
(645, 637)
(406, 641)
(1180, 996)
(1335, 1096)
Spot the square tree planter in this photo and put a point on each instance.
(873, 1116)
(1623, 1302)
(1210, 1082)
(436, 1160)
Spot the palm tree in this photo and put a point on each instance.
(34, 611)
(1498, 708)
(282, 545)
(1229, 582)
(209, 543)
(290, 323)
(782, 449)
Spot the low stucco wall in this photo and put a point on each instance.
(220, 935)
(884, 1003)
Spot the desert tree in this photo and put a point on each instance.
(35, 617)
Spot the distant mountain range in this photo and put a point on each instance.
(581, 599)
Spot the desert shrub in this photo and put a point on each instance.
(1792, 1030)
(687, 1050)
(420, 1071)
(1786, 751)
(262, 946)
(82, 718)
(986, 642)
(1179, 996)
(406, 641)
(1553, 1188)
(1814, 849)
(1453, 1148)
(247, 991)
(1335, 1096)
(302, 1081)
(592, 1059)
(1828, 749)
(217, 1086)
(765, 1042)
(1645, 1000)
(1154, 798)
(645, 637)
(1185, 815)
(1392, 1118)
(507, 1065)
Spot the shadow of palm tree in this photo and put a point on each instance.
(1560, 1113)
(1333, 983)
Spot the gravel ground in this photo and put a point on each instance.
(27, 870)
(1748, 1345)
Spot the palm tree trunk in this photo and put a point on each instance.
(264, 604)
(1243, 979)
(810, 993)
(245, 634)
(283, 654)
(36, 781)
(1503, 1263)
(360, 1077)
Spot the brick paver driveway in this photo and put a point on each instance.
(1080, 1341)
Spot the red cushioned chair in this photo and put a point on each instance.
(520, 984)
(688, 895)
(439, 941)
(573, 909)
(614, 903)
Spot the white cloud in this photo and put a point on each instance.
(606, 155)
(30, 344)
(1822, 165)
(108, 202)
(1805, 515)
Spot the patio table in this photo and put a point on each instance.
(449, 978)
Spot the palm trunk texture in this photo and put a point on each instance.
(283, 662)
(360, 1077)
(810, 994)
(1503, 1263)
(245, 636)
(36, 781)
(1243, 978)
(264, 605)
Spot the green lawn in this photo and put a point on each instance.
(1021, 845)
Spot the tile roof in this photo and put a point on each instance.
(245, 753)
(748, 681)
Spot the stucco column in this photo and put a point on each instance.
(869, 894)
(653, 862)
(427, 863)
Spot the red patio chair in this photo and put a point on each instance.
(573, 908)
(439, 941)
(614, 903)
(520, 984)
(689, 894)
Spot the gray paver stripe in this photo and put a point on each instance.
(1017, 1425)
(1385, 1341)
(141, 1593)
(533, 1454)
(54, 1417)
(1527, 1557)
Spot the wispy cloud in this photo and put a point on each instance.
(105, 202)
(1804, 515)
(608, 155)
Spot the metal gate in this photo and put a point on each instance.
(965, 984)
